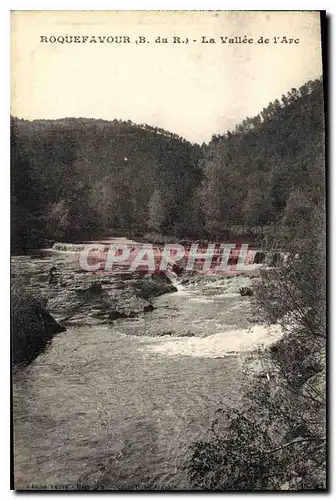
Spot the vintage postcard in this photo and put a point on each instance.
(168, 324)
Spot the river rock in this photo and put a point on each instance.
(178, 270)
(129, 306)
(245, 291)
(32, 326)
(102, 301)
(153, 286)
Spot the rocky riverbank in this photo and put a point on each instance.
(45, 303)
(73, 296)
(76, 298)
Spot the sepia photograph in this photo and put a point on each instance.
(168, 250)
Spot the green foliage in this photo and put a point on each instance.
(276, 440)
(253, 173)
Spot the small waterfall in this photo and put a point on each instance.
(174, 280)
(68, 247)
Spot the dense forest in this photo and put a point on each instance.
(77, 178)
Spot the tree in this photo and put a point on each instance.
(57, 220)
(156, 215)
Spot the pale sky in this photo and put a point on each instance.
(194, 89)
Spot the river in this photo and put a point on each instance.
(118, 406)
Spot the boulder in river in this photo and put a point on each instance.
(178, 270)
(245, 291)
(153, 286)
(32, 327)
(129, 306)
(98, 302)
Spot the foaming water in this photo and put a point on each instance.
(195, 310)
(220, 344)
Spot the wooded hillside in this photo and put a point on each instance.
(77, 178)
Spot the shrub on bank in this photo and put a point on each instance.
(277, 440)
